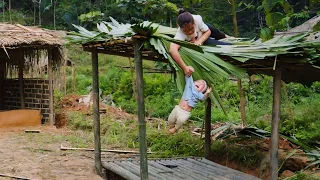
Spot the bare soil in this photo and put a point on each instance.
(37, 160)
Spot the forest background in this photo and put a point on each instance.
(300, 116)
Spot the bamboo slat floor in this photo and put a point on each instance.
(174, 169)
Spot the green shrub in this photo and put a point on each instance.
(303, 176)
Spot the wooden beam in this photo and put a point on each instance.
(275, 124)
(207, 140)
(21, 80)
(50, 77)
(96, 114)
(141, 111)
(126, 54)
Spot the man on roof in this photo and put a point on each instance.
(193, 29)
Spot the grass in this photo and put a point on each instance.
(123, 134)
(80, 139)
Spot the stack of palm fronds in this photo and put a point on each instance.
(205, 59)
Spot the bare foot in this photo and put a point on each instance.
(172, 130)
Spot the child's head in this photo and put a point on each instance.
(201, 85)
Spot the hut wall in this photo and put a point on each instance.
(36, 95)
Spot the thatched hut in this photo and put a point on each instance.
(23, 49)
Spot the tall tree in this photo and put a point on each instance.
(3, 9)
(54, 12)
(39, 11)
(10, 11)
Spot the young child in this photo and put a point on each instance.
(193, 92)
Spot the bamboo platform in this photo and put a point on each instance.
(175, 169)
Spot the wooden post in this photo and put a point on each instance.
(275, 124)
(2, 69)
(207, 144)
(21, 80)
(96, 114)
(141, 111)
(50, 76)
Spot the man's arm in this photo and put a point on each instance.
(174, 51)
(203, 38)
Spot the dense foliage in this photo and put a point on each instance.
(251, 14)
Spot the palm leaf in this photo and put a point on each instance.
(205, 59)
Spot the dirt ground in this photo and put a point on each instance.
(42, 159)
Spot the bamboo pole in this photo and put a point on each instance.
(275, 124)
(207, 144)
(96, 114)
(50, 76)
(141, 111)
(21, 80)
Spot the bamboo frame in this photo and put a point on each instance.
(265, 66)
(96, 114)
(275, 124)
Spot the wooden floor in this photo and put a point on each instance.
(174, 169)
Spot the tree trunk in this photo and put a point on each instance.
(234, 19)
(39, 12)
(10, 11)
(34, 13)
(54, 14)
(3, 9)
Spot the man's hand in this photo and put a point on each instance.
(198, 43)
(188, 70)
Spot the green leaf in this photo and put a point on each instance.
(287, 7)
(273, 19)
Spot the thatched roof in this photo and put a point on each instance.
(307, 26)
(13, 36)
(299, 58)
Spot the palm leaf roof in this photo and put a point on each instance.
(298, 58)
